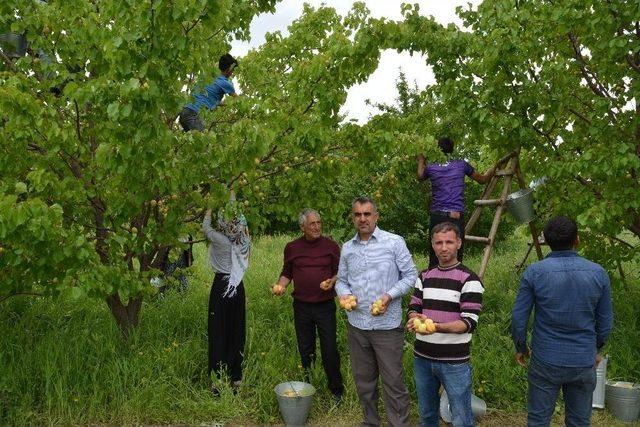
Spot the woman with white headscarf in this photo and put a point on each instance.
(229, 257)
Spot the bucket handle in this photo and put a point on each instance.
(294, 390)
(634, 382)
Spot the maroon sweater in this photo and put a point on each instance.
(308, 264)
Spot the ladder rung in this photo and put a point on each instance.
(487, 202)
(503, 172)
(478, 239)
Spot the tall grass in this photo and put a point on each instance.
(65, 363)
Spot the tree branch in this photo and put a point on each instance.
(196, 22)
(309, 107)
(8, 61)
(213, 35)
(77, 120)
(589, 76)
(589, 185)
(548, 137)
(632, 63)
(35, 147)
(35, 294)
(629, 245)
(268, 156)
(580, 116)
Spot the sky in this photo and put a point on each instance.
(380, 88)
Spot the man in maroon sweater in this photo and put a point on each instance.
(311, 262)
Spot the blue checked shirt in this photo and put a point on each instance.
(368, 270)
(571, 297)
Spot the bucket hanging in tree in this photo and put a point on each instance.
(520, 205)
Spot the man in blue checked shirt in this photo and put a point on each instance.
(571, 298)
(376, 265)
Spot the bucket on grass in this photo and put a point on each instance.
(601, 377)
(520, 205)
(294, 400)
(478, 407)
(623, 400)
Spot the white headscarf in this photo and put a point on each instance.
(237, 231)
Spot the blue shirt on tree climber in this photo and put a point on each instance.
(210, 96)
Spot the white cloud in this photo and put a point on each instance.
(380, 88)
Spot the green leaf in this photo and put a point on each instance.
(20, 188)
(112, 110)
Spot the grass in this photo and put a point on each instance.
(65, 363)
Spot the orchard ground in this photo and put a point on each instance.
(66, 363)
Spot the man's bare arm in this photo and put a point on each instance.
(421, 166)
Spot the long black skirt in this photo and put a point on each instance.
(226, 329)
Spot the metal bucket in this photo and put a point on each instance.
(294, 400)
(601, 377)
(478, 407)
(13, 45)
(520, 205)
(623, 400)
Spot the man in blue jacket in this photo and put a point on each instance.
(572, 321)
(209, 97)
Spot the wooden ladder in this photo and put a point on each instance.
(506, 168)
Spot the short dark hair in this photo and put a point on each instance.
(443, 227)
(364, 200)
(560, 233)
(446, 145)
(226, 61)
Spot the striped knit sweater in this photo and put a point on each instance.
(447, 295)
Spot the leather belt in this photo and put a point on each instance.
(450, 214)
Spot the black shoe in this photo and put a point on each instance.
(235, 387)
(337, 399)
(307, 376)
(215, 391)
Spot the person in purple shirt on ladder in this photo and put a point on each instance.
(210, 96)
(447, 190)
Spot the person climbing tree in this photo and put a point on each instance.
(209, 97)
(447, 185)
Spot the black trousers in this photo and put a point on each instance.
(307, 317)
(190, 120)
(437, 218)
(226, 329)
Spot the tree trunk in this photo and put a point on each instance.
(126, 316)
(635, 225)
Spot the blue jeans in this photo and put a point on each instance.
(545, 381)
(456, 379)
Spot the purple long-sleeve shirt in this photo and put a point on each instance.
(447, 184)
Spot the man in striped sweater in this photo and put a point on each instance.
(451, 295)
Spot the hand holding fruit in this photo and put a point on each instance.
(278, 289)
(376, 307)
(348, 302)
(421, 324)
(379, 306)
(326, 285)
